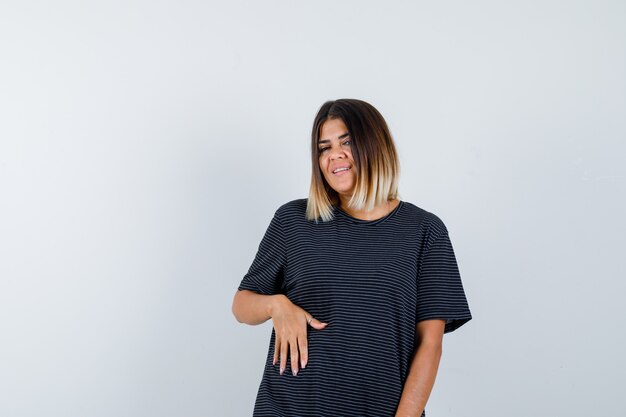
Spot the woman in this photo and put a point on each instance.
(360, 285)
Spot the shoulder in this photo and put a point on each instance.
(292, 208)
(430, 223)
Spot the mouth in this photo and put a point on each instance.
(341, 171)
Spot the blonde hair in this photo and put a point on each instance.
(376, 161)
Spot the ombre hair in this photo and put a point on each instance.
(377, 167)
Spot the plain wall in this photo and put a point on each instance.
(144, 147)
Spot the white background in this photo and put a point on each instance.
(145, 145)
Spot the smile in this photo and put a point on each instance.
(341, 171)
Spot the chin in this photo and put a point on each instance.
(343, 190)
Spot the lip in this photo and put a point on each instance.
(341, 172)
(340, 166)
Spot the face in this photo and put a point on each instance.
(335, 150)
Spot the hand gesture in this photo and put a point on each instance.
(290, 327)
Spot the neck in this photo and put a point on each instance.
(377, 212)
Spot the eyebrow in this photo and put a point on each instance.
(328, 141)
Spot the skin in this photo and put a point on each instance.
(335, 149)
(421, 378)
(290, 320)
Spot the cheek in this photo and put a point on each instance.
(322, 166)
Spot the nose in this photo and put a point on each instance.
(337, 151)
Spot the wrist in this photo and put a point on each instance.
(274, 302)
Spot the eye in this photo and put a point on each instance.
(348, 141)
(323, 149)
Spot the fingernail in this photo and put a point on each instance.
(303, 364)
(282, 370)
(295, 373)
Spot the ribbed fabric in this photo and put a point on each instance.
(372, 281)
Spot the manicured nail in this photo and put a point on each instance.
(295, 373)
(282, 370)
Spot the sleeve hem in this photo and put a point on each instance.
(453, 320)
(252, 288)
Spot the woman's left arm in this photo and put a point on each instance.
(421, 377)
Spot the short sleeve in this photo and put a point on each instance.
(266, 274)
(440, 293)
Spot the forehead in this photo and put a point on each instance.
(332, 129)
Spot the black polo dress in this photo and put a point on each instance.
(371, 281)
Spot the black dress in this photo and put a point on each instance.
(372, 281)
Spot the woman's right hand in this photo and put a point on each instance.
(290, 327)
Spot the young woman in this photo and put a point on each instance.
(360, 285)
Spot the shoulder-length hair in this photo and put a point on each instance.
(376, 161)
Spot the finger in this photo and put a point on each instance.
(303, 346)
(276, 345)
(316, 324)
(283, 356)
(293, 347)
